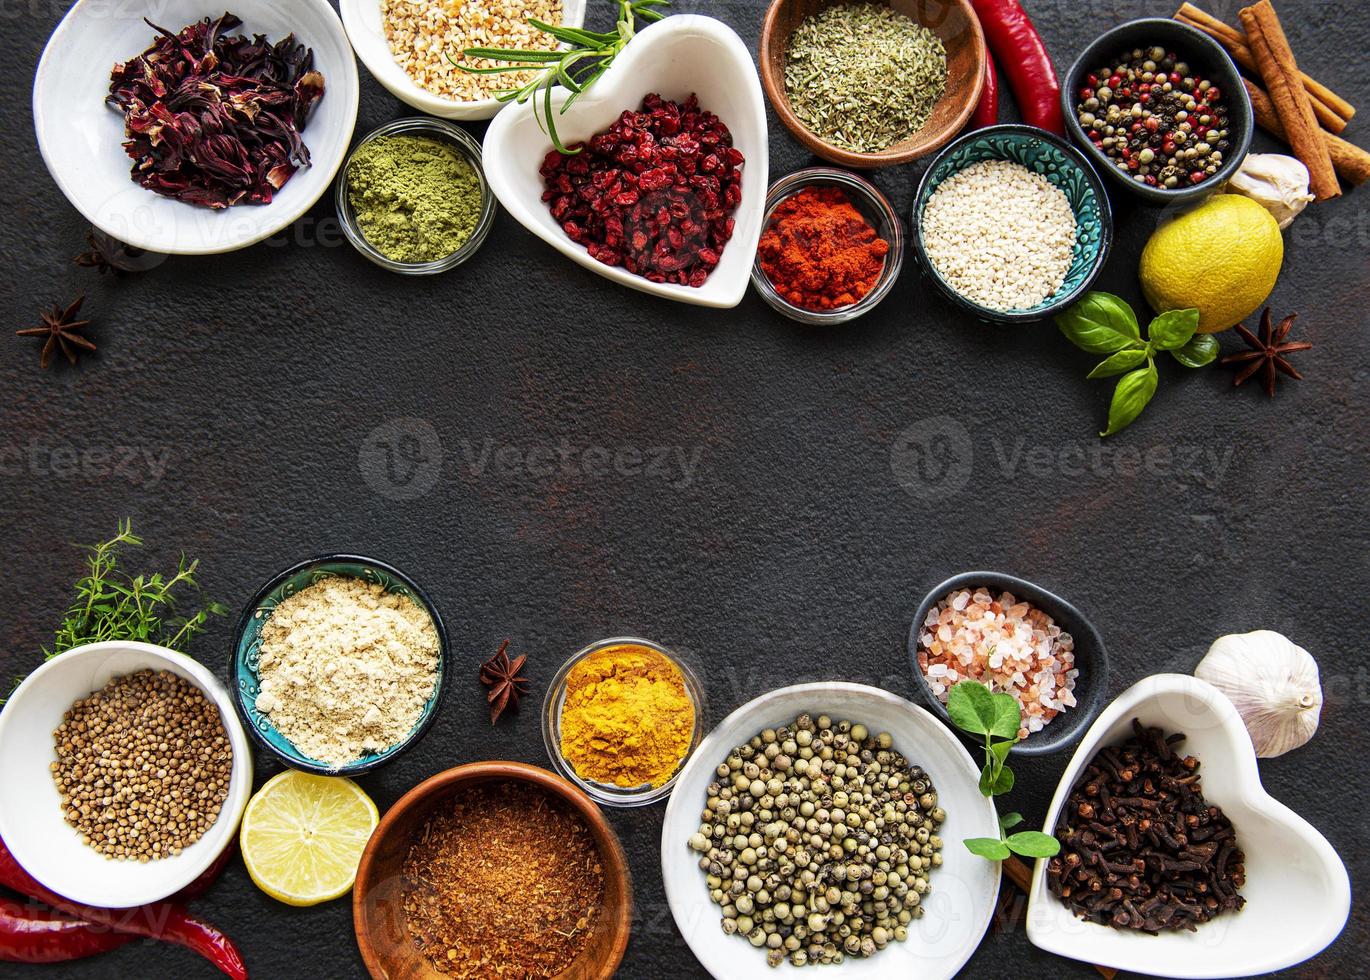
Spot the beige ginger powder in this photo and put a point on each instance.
(346, 668)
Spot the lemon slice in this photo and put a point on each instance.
(303, 836)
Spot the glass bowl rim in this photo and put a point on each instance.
(468, 146)
(603, 793)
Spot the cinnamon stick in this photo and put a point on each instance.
(1332, 110)
(1280, 72)
(1350, 161)
(1021, 875)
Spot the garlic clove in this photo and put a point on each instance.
(1276, 182)
(1273, 684)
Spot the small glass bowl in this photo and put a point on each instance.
(608, 794)
(876, 208)
(437, 129)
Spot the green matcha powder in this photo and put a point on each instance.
(415, 199)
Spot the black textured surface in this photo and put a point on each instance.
(262, 381)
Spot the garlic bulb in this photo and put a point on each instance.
(1273, 683)
(1276, 182)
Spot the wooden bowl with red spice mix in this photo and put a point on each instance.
(493, 869)
(831, 248)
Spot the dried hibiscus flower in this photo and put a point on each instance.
(215, 119)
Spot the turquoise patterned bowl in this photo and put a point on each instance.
(1058, 162)
(247, 650)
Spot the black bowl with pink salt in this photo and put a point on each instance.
(1017, 638)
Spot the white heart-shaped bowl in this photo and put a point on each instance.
(81, 138)
(673, 58)
(1297, 891)
(31, 821)
(362, 18)
(959, 904)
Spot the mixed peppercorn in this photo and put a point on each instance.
(1160, 122)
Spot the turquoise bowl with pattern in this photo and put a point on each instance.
(1059, 162)
(246, 683)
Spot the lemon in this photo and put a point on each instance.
(303, 836)
(1222, 258)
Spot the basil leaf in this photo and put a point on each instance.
(1172, 330)
(1133, 393)
(1124, 360)
(1201, 350)
(987, 847)
(1010, 820)
(1101, 323)
(1033, 844)
(971, 707)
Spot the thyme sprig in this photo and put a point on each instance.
(582, 58)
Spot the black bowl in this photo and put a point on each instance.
(1203, 54)
(1091, 686)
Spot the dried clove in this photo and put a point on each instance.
(1141, 848)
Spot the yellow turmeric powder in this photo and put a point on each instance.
(628, 718)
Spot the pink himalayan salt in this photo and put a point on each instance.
(1009, 646)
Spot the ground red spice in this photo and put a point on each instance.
(820, 252)
(654, 193)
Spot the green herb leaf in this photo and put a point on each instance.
(971, 707)
(1033, 844)
(1171, 331)
(1201, 350)
(1003, 782)
(1010, 820)
(1133, 393)
(1007, 717)
(987, 847)
(1100, 323)
(1123, 361)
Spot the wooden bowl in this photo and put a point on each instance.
(378, 896)
(951, 20)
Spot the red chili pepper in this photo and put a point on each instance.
(987, 112)
(1018, 46)
(161, 920)
(34, 934)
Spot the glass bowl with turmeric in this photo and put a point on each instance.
(831, 249)
(620, 719)
(413, 197)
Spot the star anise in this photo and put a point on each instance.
(504, 677)
(1267, 352)
(108, 254)
(62, 330)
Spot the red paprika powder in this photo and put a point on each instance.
(820, 252)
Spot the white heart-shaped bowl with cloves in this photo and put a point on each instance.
(1296, 890)
(675, 58)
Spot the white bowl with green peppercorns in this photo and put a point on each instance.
(959, 902)
(32, 823)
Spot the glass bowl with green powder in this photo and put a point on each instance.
(413, 197)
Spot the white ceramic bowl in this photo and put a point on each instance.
(31, 821)
(362, 18)
(81, 138)
(961, 900)
(1297, 891)
(673, 57)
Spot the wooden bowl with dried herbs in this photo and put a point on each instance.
(872, 84)
(493, 869)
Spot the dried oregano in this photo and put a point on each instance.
(864, 77)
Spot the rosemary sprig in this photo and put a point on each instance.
(110, 604)
(582, 58)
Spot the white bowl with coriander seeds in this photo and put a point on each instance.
(405, 44)
(960, 899)
(33, 820)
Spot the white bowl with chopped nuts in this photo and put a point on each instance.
(405, 44)
(33, 822)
